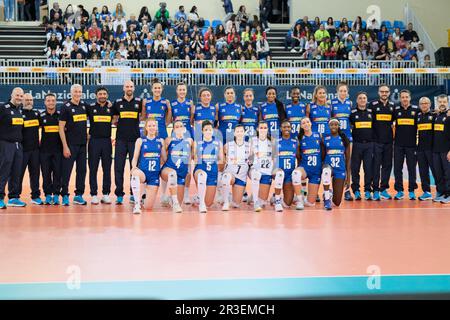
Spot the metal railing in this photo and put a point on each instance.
(211, 73)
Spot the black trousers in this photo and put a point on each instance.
(362, 152)
(442, 169)
(51, 166)
(123, 148)
(11, 154)
(425, 161)
(100, 149)
(78, 156)
(31, 160)
(382, 163)
(400, 154)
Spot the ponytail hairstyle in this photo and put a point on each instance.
(268, 131)
(316, 90)
(279, 104)
(203, 89)
(155, 81)
(239, 125)
(343, 136)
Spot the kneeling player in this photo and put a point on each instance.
(149, 155)
(176, 168)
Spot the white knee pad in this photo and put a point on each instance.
(296, 177)
(172, 179)
(201, 177)
(326, 175)
(279, 179)
(226, 179)
(256, 175)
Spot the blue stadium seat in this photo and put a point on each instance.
(337, 24)
(207, 23)
(215, 23)
(350, 23)
(387, 23)
(204, 31)
(323, 22)
(364, 24)
(399, 24)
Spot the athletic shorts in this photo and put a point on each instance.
(287, 176)
(313, 176)
(211, 176)
(338, 174)
(266, 179)
(243, 172)
(151, 177)
(181, 176)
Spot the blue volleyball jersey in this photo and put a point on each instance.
(287, 153)
(269, 113)
(295, 113)
(342, 111)
(150, 155)
(249, 120)
(320, 115)
(311, 153)
(335, 152)
(178, 156)
(229, 117)
(201, 114)
(157, 109)
(181, 111)
(208, 155)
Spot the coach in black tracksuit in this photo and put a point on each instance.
(100, 146)
(425, 121)
(128, 111)
(30, 146)
(50, 152)
(73, 133)
(11, 125)
(362, 151)
(382, 113)
(405, 116)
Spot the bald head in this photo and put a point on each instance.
(27, 101)
(128, 88)
(17, 96)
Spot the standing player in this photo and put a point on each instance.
(11, 152)
(236, 153)
(73, 133)
(287, 176)
(312, 152)
(203, 111)
(382, 113)
(319, 111)
(341, 108)
(337, 158)
(362, 130)
(149, 156)
(183, 110)
(127, 111)
(295, 111)
(405, 116)
(176, 169)
(262, 158)
(441, 150)
(272, 111)
(425, 121)
(50, 152)
(229, 114)
(208, 159)
(100, 146)
(250, 114)
(30, 146)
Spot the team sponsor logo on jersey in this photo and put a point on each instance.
(363, 125)
(335, 152)
(384, 117)
(79, 117)
(51, 129)
(310, 151)
(128, 114)
(151, 154)
(271, 116)
(285, 153)
(341, 115)
(424, 126)
(229, 118)
(438, 127)
(296, 119)
(247, 120)
(102, 118)
(405, 122)
(208, 156)
(31, 123)
(320, 119)
(17, 121)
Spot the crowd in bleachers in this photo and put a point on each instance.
(356, 40)
(117, 35)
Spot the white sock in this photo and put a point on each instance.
(163, 187)
(174, 199)
(226, 187)
(326, 194)
(136, 189)
(201, 186)
(186, 191)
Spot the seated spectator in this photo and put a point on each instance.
(194, 19)
(354, 54)
(196, 31)
(246, 35)
(310, 49)
(343, 24)
(95, 15)
(339, 48)
(321, 33)
(238, 53)
(133, 23)
(234, 44)
(220, 32)
(83, 45)
(172, 38)
(148, 52)
(105, 33)
(81, 16)
(400, 43)
(56, 30)
(94, 31)
(397, 34)
(81, 33)
(196, 43)
(415, 43)
(180, 14)
(120, 33)
(64, 55)
(373, 45)
(325, 45)
(104, 13)
(298, 38)
(144, 32)
(259, 34)
(210, 42)
(390, 44)
(382, 54)
(186, 54)
(184, 31)
(316, 25)
(407, 53)
(68, 15)
(68, 44)
(330, 54)
(133, 40)
(426, 63)
(118, 58)
(357, 25)
(233, 34)
(211, 54)
(198, 54)
(421, 53)
(133, 54)
(172, 53)
(53, 56)
(383, 34)
(373, 25)
(69, 30)
(94, 53)
(53, 44)
(305, 23)
(108, 22)
(231, 22)
(162, 16)
(57, 18)
(160, 41)
(158, 31)
(119, 12)
(262, 48)
(349, 43)
(122, 50)
(120, 21)
(242, 17)
(409, 33)
(144, 14)
(76, 51)
(331, 28)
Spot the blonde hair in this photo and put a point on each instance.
(316, 90)
(146, 123)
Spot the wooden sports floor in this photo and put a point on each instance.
(105, 251)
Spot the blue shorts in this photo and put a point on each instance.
(287, 176)
(266, 179)
(313, 176)
(338, 174)
(181, 174)
(239, 182)
(151, 178)
(211, 179)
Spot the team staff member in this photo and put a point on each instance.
(11, 153)
(127, 111)
(425, 146)
(362, 151)
(382, 113)
(50, 151)
(30, 146)
(441, 150)
(73, 133)
(100, 146)
(405, 116)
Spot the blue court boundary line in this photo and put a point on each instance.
(307, 287)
